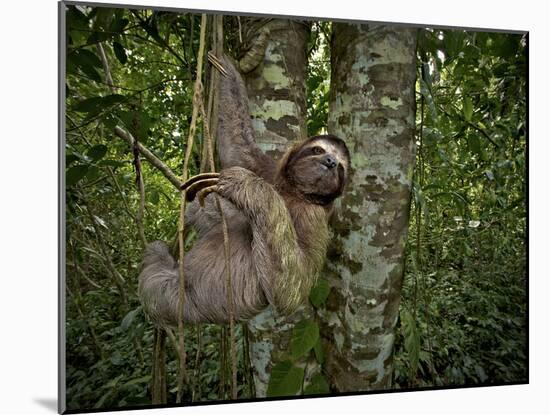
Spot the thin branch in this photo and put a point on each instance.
(121, 193)
(106, 69)
(190, 139)
(151, 158)
(471, 124)
(218, 44)
(197, 383)
(141, 189)
(79, 75)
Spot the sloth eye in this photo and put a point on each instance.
(318, 150)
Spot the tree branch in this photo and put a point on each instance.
(151, 158)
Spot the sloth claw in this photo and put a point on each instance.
(201, 195)
(195, 184)
(198, 177)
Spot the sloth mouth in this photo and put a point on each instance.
(326, 169)
(321, 199)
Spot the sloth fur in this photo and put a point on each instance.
(277, 215)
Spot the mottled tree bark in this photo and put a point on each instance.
(372, 107)
(276, 90)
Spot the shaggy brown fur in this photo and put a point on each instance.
(277, 216)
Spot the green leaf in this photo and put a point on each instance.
(71, 158)
(317, 385)
(129, 318)
(481, 373)
(85, 57)
(75, 174)
(304, 337)
(93, 173)
(474, 144)
(286, 379)
(113, 99)
(138, 122)
(118, 25)
(76, 19)
(97, 152)
(154, 197)
(105, 398)
(97, 104)
(117, 359)
(88, 105)
(319, 293)
(120, 53)
(137, 381)
(86, 61)
(412, 340)
(319, 351)
(467, 108)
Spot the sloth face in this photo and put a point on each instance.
(319, 168)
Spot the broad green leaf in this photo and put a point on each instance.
(71, 158)
(412, 340)
(117, 359)
(97, 152)
(118, 25)
(467, 108)
(120, 53)
(85, 57)
(137, 381)
(76, 19)
(86, 61)
(129, 318)
(317, 385)
(304, 337)
(104, 16)
(105, 398)
(286, 379)
(88, 105)
(319, 293)
(481, 373)
(93, 173)
(319, 351)
(97, 104)
(75, 174)
(113, 99)
(138, 122)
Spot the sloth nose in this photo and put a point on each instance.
(329, 161)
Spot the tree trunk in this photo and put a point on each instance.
(276, 90)
(372, 107)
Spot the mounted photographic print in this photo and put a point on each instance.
(256, 207)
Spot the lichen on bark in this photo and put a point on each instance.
(277, 103)
(276, 86)
(372, 107)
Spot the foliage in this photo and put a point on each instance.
(463, 314)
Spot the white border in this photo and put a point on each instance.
(28, 216)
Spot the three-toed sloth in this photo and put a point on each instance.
(277, 216)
